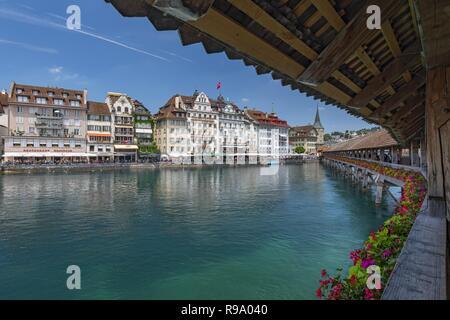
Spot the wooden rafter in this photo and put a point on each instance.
(413, 104)
(327, 10)
(401, 95)
(347, 42)
(379, 83)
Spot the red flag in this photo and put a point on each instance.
(219, 85)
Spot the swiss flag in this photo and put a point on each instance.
(219, 85)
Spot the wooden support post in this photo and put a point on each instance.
(411, 153)
(365, 179)
(438, 135)
(380, 186)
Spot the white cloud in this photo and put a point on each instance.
(55, 70)
(245, 100)
(28, 46)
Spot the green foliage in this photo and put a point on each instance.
(299, 150)
(383, 246)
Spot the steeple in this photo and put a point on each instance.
(317, 123)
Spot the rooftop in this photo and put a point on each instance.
(377, 139)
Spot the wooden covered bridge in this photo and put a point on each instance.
(396, 75)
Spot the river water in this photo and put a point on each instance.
(209, 233)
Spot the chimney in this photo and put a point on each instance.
(85, 96)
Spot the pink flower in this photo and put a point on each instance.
(367, 263)
(368, 295)
(319, 293)
(386, 253)
(324, 273)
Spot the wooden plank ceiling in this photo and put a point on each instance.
(320, 47)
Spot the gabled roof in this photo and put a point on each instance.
(50, 93)
(377, 139)
(170, 110)
(264, 118)
(99, 108)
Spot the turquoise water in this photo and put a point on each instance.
(211, 233)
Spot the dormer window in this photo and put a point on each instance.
(41, 100)
(19, 90)
(65, 95)
(22, 99)
(78, 97)
(35, 92)
(74, 103)
(58, 102)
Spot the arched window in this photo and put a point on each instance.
(126, 109)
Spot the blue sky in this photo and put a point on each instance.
(128, 55)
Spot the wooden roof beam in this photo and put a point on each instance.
(328, 11)
(394, 101)
(394, 46)
(222, 28)
(347, 41)
(435, 33)
(266, 20)
(413, 103)
(378, 84)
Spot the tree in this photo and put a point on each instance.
(299, 150)
(327, 137)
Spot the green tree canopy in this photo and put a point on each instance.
(299, 150)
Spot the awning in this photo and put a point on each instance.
(43, 154)
(125, 147)
(99, 135)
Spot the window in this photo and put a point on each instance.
(31, 130)
(41, 100)
(19, 90)
(58, 102)
(126, 109)
(19, 120)
(50, 93)
(22, 98)
(76, 132)
(35, 92)
(74, 103)
(119, 109)
(91, 148)
(65, 95)
(19, 109)
(77, 114)
(78, 97)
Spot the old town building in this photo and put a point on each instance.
(171, 129)
(3, 119)
(45, 124)
(310, 137)
(273, 135)
(143, 130)
(237, 134)
(99, 132)
(122, 108)
(203, 130)
(305, 137)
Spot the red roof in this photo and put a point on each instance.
(264, 118)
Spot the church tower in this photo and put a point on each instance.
(319, 127)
